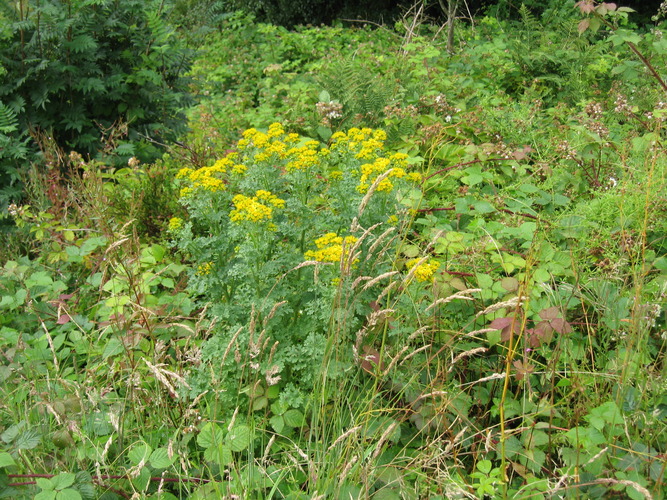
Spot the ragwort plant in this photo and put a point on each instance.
(274, 229)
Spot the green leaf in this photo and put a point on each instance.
(27, 440)
(6, 459)
(62, 481)
(113, 348)
(220, 455)
(210, 435)
(484, 466)
(238, 438)
(44, 483)
(278, 423)
(160, 458)
(68, 494)
(141, 481)
(260, 403)
(294, 418)
(46, 495)
(139, 453)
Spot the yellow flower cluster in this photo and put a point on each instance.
(425, 270)
(175, 223)
(275, 143)
(365, 142)
(256, 209)
(204, 269)
(330, 247)
(208, 178)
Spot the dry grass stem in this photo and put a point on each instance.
(371, 190)
(511, 303)
(430, 395)
(387, 289)
(466, 354)
(231, 343)
(356, 282)
(415, 352)
(463, 294)
(479, 332)
(455, 440)
(494, 376)
(378, 278)
(379, 240)
(416, 333)
(382, 440)
(163, 375)
(233, 420)
(343, 436)
(268, 447)
(273, 311)
(394, 360)
(348, 467)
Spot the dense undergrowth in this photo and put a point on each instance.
(372, 269)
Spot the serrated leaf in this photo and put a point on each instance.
(45, 495)
(510, 284)
(141, 481)
(139, 453)
(294, 418)
(44, 483)
(238, 438)
(160, 458)
(6, 459)
(220, 455)
(278, 423)
(549, 313)
(68, 494)
(27, 440)
(62, 481)
(260, 403)
(210, 435)
(113, 348)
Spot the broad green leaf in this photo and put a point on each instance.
(141, 481)
(44, 483)
(113, 348)
(278, 423)
(27, 440)
(62, 481)
(46, 495)
(210, 435)
(294, 418)
(484, 466)
(159, 459)
(238, 438)
(68, 494)
(139, 453)
(219, 454)
(6, 459)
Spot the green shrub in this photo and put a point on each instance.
(89, 74)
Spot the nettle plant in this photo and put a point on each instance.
(277, 231)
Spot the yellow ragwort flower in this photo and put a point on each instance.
(425, 270)
(175, 223)
(330, 248)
